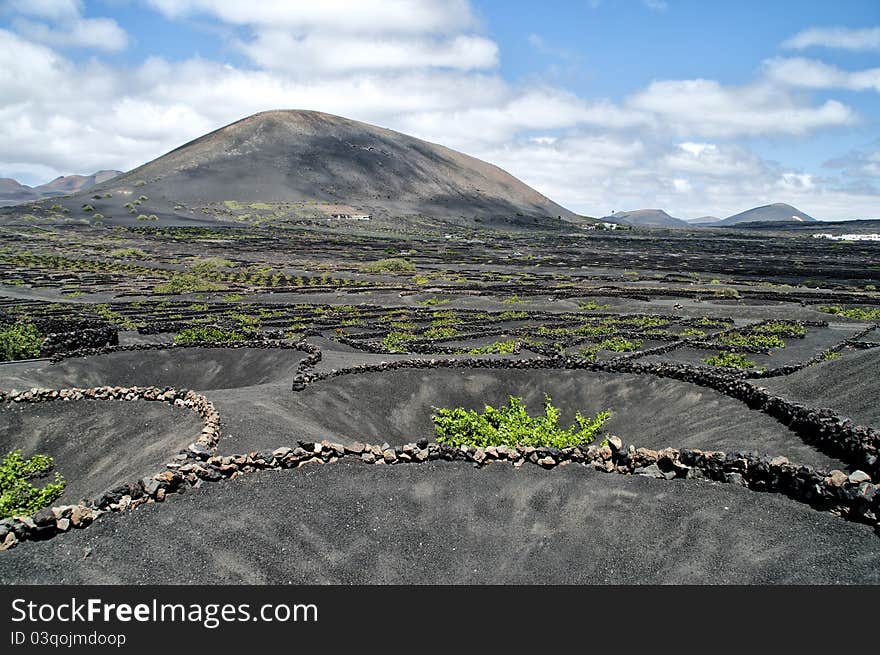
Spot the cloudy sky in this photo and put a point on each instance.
(693, 106)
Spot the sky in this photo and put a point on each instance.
(699, 108)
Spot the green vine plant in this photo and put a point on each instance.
(511, 425)
(18, 496)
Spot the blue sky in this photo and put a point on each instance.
(696, 107)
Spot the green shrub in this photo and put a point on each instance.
(510, 425)
(765, 341)
(692, 332)
(857, 313)
(831, 354)
(391, 265)
(18, 496)
(781, 328)
(708, 322)
(592, 306)
(510, 315)
(396, 341)
(726, 359)
(19, 341)
(614, 344)
(497, 348)
(187, 283)
(127, 253)
(431, 302)
(206, 264)
(440, 332)
(620, 344)
(208, 334)
(444, 318)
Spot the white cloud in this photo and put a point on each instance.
(329, 53)
(96, 33)
(51, 9)
(373, 16)
(681, 185)
(836, 37)
(708, 108)
(657, 5)
(61, 24)
(812, 74)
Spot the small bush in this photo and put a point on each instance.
(187, 283)
(208, 334)
(726, 359)
(391, 265)
(207, 264)
(592, 306)
(620, 344)
(396, 341)
(497, 348)
(782, 328)
(127, 253)
(831, 354)
(510, 425)
(764, 341)
(18, 496)
(440, 332)
(857, 313)
(614, 344)
(19, 341)
(432, 302)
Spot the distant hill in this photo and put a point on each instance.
(72, 183)
(646, 218)
(13, 192)
(703, 220)
(325, 165)
(777, 212)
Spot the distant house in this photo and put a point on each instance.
(353, 217)
(603, 226)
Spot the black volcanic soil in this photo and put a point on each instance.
(183, 368)
(396, 407)
(448, 523)
(98, 444)
(850, 385)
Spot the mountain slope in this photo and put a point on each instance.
(777, 212)
(647, 218)
(73, 183)
(318, 163)
(14, 193)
